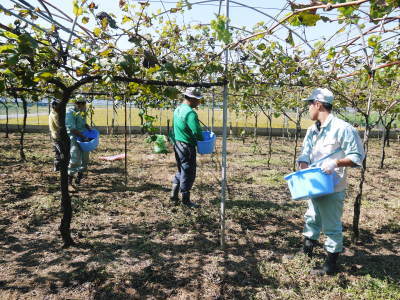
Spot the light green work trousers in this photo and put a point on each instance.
(324, 214)
(79, 159)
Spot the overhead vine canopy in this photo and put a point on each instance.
(155, 50)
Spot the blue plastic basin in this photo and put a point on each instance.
(208, 144)
(91, 145)
(310, 183)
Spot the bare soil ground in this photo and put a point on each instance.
(134, 244)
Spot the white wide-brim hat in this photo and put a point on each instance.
(192, 92)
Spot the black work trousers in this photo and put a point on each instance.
(185, 155)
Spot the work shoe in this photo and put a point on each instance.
(78, 178)
(308, 246)
(174, 196)
(329, 267)
(70, 179)
(307, 249)
(186, 201)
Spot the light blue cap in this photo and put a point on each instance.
(321, 95)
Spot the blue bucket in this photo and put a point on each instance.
(207, 145)
(91, 145)
(310, 183)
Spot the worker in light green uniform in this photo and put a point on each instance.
(75, 123)
(186, 133)
(333, 145)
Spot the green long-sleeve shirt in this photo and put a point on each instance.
(186, 125)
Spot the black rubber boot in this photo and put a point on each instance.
(308, 246)
(186, 200)
(78, 178)
(329, 267)
(70, 178)
(174, 196)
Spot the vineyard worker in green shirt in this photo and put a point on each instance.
(328, 135)
(75, 122)
(186, 133)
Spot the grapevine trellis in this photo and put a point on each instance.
(271, 65)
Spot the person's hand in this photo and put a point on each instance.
(303, 165)
(328, 166)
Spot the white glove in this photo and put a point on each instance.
(328, 166)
